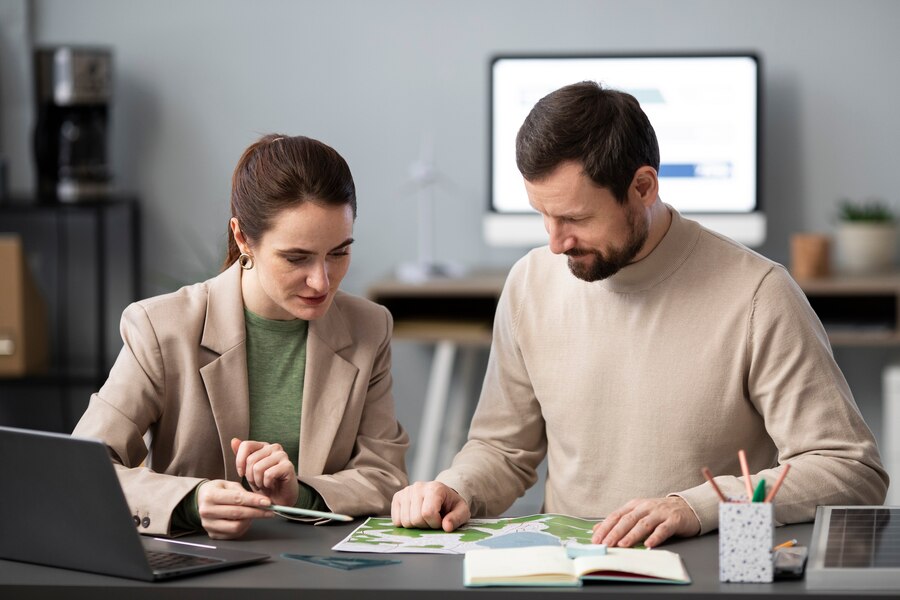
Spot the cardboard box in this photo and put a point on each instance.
(23, 314)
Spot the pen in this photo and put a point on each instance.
(784, 472)
(708, 474)
(742, 456)
(305, 512)
(787, 544)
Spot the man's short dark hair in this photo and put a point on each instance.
(603, 129)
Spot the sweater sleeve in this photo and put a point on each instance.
(507, 439)
(809, 412)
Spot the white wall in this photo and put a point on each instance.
(197, 80)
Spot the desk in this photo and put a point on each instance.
(456, 315)
(419, 576)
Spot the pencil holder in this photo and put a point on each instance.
(745, 541)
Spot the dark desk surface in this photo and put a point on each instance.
(419, 575)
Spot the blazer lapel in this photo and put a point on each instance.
(326, 390)
(225, 376)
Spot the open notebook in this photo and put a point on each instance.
(551, 565)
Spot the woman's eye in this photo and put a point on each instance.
(297, 259)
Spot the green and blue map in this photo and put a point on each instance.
(379, 535)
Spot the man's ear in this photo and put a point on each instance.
(646, 185)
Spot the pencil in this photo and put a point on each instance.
(709, 477)
(742, 456)
(784, 472)
(787, 544)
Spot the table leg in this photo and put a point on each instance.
(434, 411)
(460, 407)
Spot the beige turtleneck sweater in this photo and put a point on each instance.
(632, 384)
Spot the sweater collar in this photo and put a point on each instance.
(665, 259)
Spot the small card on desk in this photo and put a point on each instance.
(551, 566)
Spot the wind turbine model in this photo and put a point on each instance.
(424, 179)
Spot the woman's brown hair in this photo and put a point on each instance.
(278, 172)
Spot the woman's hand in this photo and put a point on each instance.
(227, 509)
(268, 470)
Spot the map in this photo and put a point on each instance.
(379, 535)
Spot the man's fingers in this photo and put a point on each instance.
(457, 515)
(395, 508)
(428, 505)
(414, 513)
(651, 521)
(432, 503)
(624, 524)
(663, 531)
(640, 531)
(602, 528)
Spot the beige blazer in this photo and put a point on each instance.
(182, 377)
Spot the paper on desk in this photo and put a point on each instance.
(378, 535)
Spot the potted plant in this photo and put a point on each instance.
(866, 236)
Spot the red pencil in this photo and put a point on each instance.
(742, 456)
(774, 490)
(709, 477)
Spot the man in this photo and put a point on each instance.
(662, 348)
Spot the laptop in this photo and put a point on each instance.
(61, 505)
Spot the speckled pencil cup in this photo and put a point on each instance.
(745, 542)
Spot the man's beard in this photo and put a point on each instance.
(602, 266)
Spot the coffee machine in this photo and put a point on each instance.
(73, 88)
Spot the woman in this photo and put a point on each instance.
(266, 372)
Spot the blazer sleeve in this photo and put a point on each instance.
(124, 409)
(376, 468)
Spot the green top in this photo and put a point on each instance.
(276, 361)
(276, 365)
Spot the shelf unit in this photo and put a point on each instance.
(857, 310)
(85, 258)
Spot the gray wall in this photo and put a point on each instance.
(198, 80)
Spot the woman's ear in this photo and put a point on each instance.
(239, 238)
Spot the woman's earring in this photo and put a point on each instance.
(246, 261)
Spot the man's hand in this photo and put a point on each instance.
(430, 505)
(227, 509)
(650, 520)
(268, 470)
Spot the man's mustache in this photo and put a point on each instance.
(576, 252)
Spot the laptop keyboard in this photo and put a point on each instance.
(165, 561)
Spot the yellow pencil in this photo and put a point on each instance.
(787, 544)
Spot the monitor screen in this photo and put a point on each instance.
(705, 111)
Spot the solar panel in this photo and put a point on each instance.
(855, 548)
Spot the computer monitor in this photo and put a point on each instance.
(705, 109)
